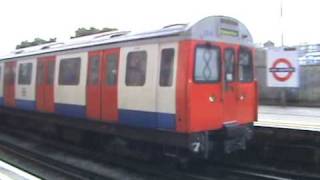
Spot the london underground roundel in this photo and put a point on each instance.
(282, 68)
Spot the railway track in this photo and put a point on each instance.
(68, 171)
(208, 172)
(145, 169)
(264, 172)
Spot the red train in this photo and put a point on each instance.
(187, 88)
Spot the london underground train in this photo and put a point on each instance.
(186, 88)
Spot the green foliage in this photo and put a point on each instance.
(92, 30)
(35, 42)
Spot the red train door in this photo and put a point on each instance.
(9, 84)
(44, 84)
(230, 86)
(247, 95)
(93, 85)
(109, 90)
(102, 85)
(205, 92)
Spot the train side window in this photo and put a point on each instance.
(136, 68)
(69, 71)
(207, 64)
(166, 67)
(229, 57)
(0, 73)
(94, 62)
(25, 71)
(245, 65)
(51, 67)
(112, 65)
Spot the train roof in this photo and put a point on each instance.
(212, 28)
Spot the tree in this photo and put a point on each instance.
(92, 30)
(35, 42)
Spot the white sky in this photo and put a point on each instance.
(26, 19)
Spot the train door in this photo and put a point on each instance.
(45, 83)
(9, 84)
(205, 91)
(166, 86)
(102, 85)
(247, 86)
(109, 85)
(93, 86)
(230, 86)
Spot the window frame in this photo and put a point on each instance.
(172, 67)
(29, 76)
(246, 49)
(234, 79)
(219, 64)
(59, 72)
(146, 68)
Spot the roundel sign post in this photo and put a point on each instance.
(283, 68)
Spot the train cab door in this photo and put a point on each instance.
(109, 85)
(205, 91)
(9, 84)
(45, 84)
(93, 85)
(247, 93)
(166, 86)
(229, 85)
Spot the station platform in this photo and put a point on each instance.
(299, 118)
(9, 172)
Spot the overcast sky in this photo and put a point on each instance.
(24, 20)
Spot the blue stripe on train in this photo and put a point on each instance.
(72, 110)
(25, 104)
(1, 101)
(147, 119)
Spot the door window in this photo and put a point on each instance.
(51, 67)
(112, 64)
(166, 67)
(94, 70)
(207, 64)
(9, 75)
(245, 65)
(229, 62)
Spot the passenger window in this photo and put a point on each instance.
(25, 71)
(69, 71)
(207, 64)
(166, 67)
(94, 70)
(245, 66)
(136, 68)
(229, 62)
(112, 65)
(51, 67)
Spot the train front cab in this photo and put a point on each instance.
(220, 103)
